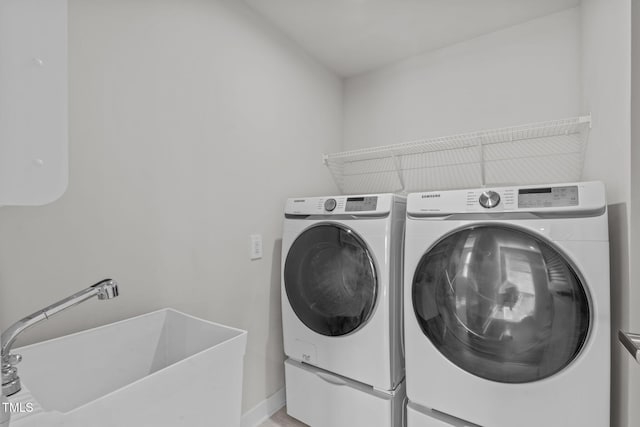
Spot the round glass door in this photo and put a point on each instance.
(501, 304)
(330, 280)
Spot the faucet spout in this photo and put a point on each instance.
(105, 289)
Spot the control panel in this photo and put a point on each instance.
(525, 198)
(341, 205)
(587, 196)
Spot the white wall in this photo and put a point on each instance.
(606, 80)
(606, 37)
(190, 123)
(522, 74)
(633, 302)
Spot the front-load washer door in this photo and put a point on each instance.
(501, 304)
(330, 279)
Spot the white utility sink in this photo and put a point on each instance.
(164, 368)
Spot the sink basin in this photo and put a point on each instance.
(162, 368)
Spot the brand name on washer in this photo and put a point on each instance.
(298, 201)
(430, 196)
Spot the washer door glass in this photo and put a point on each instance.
(501, 304)
(330, 279)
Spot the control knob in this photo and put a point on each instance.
(489, 199)
(330, 204)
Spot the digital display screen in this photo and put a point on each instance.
(535, 190)
(548, 197)
(359, 204)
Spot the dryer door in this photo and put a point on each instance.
(330, 279)
(501, 304)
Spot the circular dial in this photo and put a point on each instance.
(330, 204)
(489, 199)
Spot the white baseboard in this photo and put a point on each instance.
(263, 410)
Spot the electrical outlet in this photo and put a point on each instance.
(255, 246)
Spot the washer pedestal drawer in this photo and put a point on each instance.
(419, 416)
(322, 399)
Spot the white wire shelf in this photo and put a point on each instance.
(537, 153)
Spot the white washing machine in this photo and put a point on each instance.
(506, 296)
(341, 309)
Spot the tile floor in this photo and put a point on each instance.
(281, 419)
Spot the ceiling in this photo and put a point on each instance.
(354, 36)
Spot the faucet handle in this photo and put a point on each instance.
(14, 359)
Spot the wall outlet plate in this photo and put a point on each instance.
(255, 246)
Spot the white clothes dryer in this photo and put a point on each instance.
(507, 319)
(341, 301)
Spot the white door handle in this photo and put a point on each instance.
(331, 378)
(631, 342)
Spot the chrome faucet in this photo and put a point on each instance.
(105, 289)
